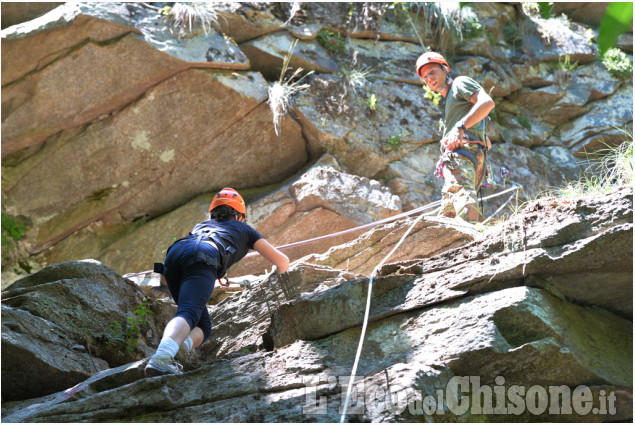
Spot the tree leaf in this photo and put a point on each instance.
(616, 20)
(545, 9)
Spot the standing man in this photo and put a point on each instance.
(192, 265)
(464, 143)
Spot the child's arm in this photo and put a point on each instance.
(268, 251)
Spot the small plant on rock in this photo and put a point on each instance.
(618, 64)
(566, 65)
(608, 170)
(432, 95)
(125, 337)
(372, 103)
(356, 77)
(513, 36)
(183, 18)
(395, 141)
(473, 29)
(11, 230)
(333, 42)
(280, 92)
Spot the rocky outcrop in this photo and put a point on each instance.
(115, 120)
(526, 322)
(70, 320)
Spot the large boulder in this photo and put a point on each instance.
(555, 38)
(557, 255)
(399, 120)
(603, 125)
(14, 13)
(166, 149)
(429, 236)
(69, 321)
(99, 40)
(320, 201)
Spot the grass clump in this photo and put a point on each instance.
(356, 77)
(184, 18)
(280, 91)
(608, 170)
(618, 64)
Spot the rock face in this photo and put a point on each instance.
(114, 117)
(523, 322)
(68, 321)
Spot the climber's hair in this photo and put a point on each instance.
(225, 212)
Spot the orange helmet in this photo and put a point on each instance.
(429, 58)
(229, 197)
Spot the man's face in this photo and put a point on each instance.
(434, 76)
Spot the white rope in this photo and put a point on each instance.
(365, 324)
(502, 206)
(370, 288)
(355, 229)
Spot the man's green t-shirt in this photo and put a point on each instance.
(457, 105)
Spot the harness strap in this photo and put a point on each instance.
(198, 257)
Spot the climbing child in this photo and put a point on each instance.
(192, 265)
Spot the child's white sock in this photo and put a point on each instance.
(168, 346)
(188, 343)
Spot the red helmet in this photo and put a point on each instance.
(429, 58)
(229, 197)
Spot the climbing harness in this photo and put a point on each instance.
(198, 257)
(370, 287)
(480, 167)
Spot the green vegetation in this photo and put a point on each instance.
(395, 141)
(524, 121)
(11, 230)
(617, 19)
(513, 36)
(124, 337)
(567, 65)
(490, 37)
(618, 64)
(333, 42)
(531, 8)
(431, 94)
(473, 29)
(372, 102)
(608, 170)
(589, 34)
(445, 23)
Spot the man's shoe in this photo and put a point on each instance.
(182, 354)
(162, 364)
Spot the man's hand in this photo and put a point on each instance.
(454, 140)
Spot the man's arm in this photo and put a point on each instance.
(483, 104)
